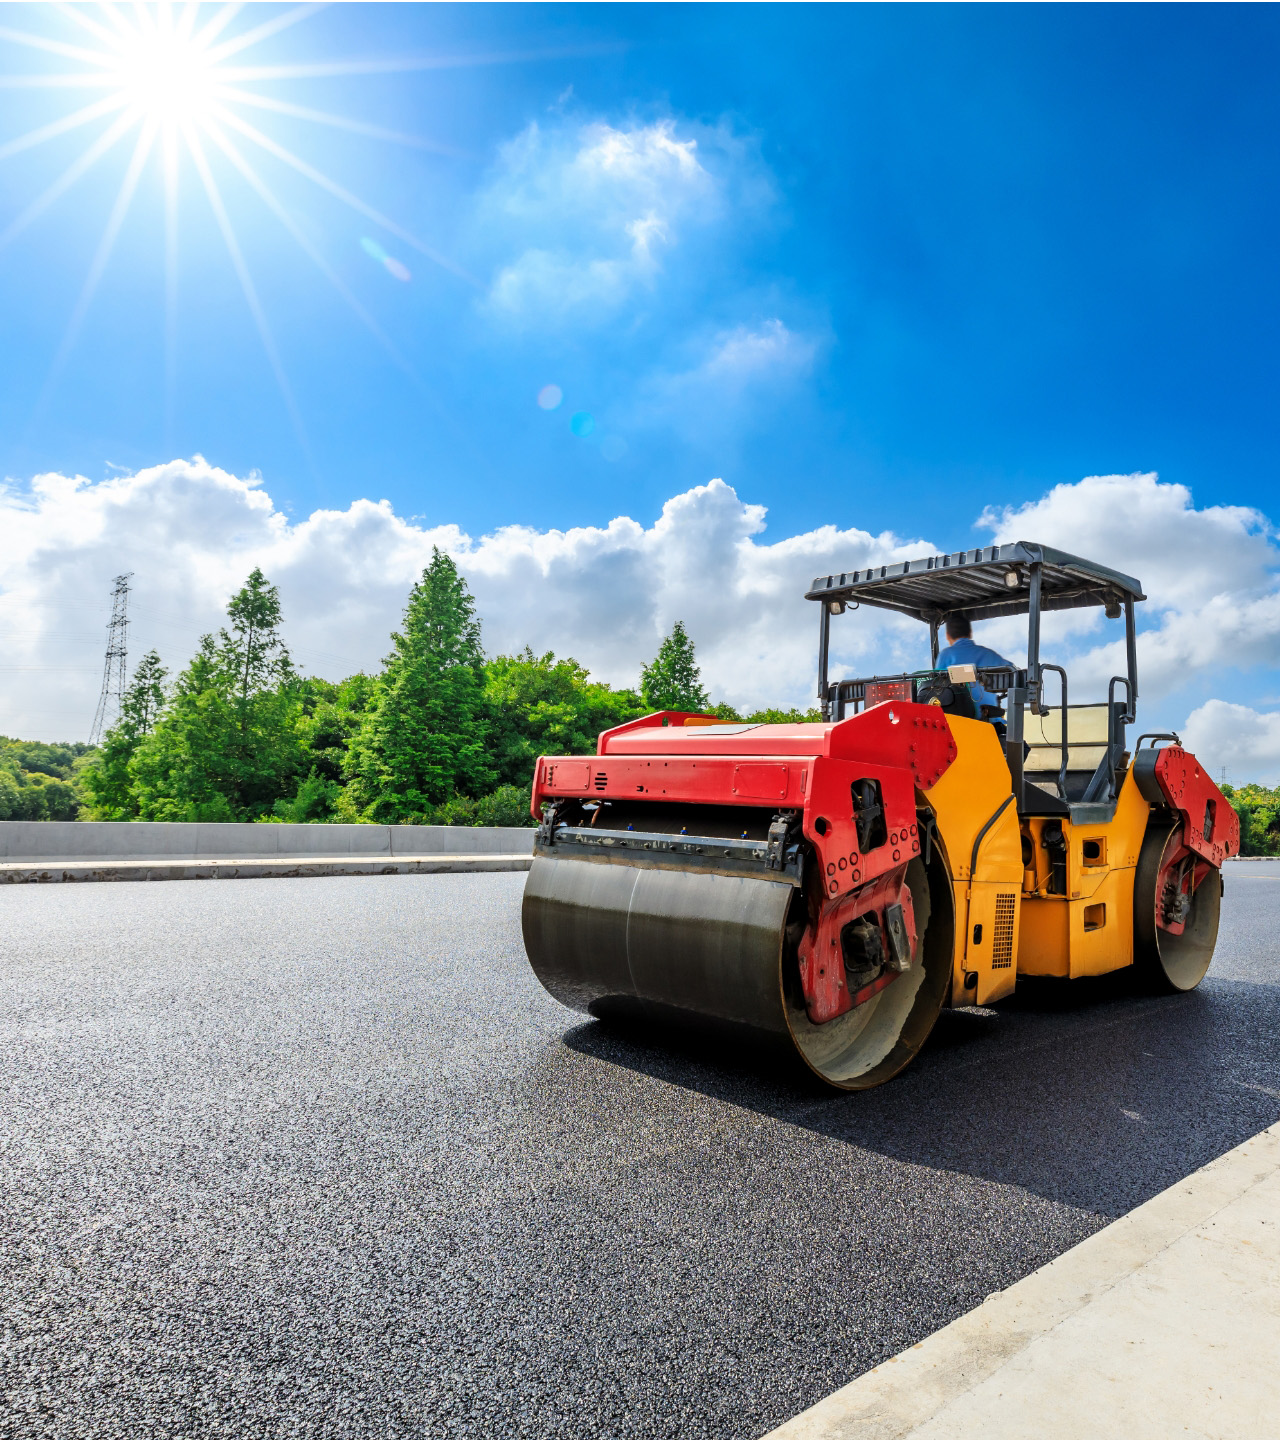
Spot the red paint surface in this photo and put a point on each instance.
(1190, 791)
(822, 973)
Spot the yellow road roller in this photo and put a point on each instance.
(836, 884)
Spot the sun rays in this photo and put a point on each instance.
(175, 79)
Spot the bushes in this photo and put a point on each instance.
(1259, 812)
(508, 805)
(39, 781)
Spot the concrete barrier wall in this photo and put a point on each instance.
(161, 840)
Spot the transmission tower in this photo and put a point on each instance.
(114, 667)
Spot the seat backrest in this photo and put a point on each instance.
(1086, 738)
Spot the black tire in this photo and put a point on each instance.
(1169, 963)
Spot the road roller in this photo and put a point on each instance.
(836, 884)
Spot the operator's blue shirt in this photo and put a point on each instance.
(967, 652)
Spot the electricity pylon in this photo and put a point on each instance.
(114, 668)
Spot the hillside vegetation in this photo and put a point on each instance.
(1259, 812)
(39, 781)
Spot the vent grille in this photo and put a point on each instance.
(601, 780)
(1002, 936)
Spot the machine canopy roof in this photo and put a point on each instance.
(980, 582)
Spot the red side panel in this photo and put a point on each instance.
(1210, 827)
(691, 779)
(830, 825)
(822, 970)
(915, 736)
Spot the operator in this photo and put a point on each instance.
(961, 650)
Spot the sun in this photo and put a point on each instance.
(167, 77)
(173, 84)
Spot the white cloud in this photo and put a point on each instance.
(767, 353)
(605, 594)
(1184, 556)
(1210, 575)
(594, 211)
(191, 532)
(1244, 741)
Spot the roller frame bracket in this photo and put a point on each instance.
(1172, 777)
(821, 953)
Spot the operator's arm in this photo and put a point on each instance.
(988, 659)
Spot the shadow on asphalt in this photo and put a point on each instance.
(1092, 1093)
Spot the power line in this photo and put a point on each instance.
(114, 668)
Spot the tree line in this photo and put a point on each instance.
(439, 735)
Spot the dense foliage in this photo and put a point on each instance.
(1259, 812)
(439, 735)
(38, 781)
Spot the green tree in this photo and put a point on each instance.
(672, 681)
(1259, 812)
(543, 706)
(228, 744)
(423, 737)
(35, 795)
(331, 717)
(109, 780)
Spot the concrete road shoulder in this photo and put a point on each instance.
(1166, 1322)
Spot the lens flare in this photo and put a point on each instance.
(388, 262)
(582, 424)
(550, 396)
(179, 82)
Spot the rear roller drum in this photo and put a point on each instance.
(1176, 906)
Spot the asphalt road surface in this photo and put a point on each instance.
(319, 1158)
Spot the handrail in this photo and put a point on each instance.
(1155, 735)
(1112, 747)
(1062, 773)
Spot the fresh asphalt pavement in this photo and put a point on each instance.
(318, 1157)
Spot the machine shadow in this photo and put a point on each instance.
(1092, 1094)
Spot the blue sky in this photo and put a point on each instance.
(1014, 246)
(885, 271)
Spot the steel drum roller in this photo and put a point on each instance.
(615, 938)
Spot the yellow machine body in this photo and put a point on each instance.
(1009, 921)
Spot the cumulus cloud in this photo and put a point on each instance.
(1210, 575)
(593, 212)
(1243, 741)
(191, 532)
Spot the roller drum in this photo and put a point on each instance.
(615, 938)
(612, 938)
